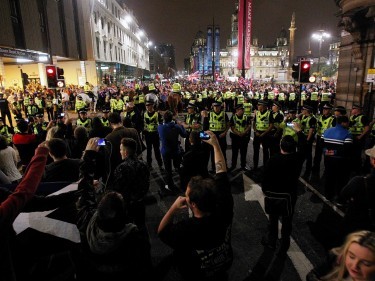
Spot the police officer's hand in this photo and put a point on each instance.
(204, 113)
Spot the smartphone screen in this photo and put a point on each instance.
(62, 114)
(101, 142)
(290, 125)
(204, 136)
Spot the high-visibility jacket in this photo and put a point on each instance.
(292, 96)
(217, 122)
(240, 123)
(323, 124)
(325, 96)
(262, 120)
(151, 122)
(314, 96)
(248, 108)
(84, 123)
(306, 123)
(356, 126)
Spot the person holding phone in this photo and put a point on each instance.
(208, 230)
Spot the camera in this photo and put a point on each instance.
(204, 136)
(290, 124)
(101, 142)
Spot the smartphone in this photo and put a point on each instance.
(101, 142)
(290, 124)
(204, 136)
(62, 114)
(27, 119)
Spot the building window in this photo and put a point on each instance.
(95, 17)
(109, 27)
(105, 48)
(102, 22)
(98, 47)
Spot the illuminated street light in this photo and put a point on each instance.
(320, 36)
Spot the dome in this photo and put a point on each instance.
(199, 35)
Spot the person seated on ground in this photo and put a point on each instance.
(353, 261)
(112, 247)
(132, 180)
(24, 200)
(201, 243)
(62, 168)
(192, 161)
(8, 161)
(25, 143)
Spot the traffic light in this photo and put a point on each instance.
(295, 71)
(304, 69)
(60, 77)
(51, 76)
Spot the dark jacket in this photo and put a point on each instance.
(107, 255)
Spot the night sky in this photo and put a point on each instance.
(177, 21)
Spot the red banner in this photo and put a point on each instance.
(244, 33)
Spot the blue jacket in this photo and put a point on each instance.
(168, 133)
(337, 141)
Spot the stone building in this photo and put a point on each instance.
(356, 60)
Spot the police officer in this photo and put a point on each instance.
(5, 131)
(117, 104)
(83, 120)
(308, 122)
(276, 132)
(104, 118)
(324, 122)
(80, 104)
(359, 127)
(240, 125)
(263, 124)
(32, 108)
(287, 125)
(191, 123)
(247, 106)
(40, 127)
(132, 117)
(217, 121)
(151, 121)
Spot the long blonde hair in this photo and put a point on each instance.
(364, 238)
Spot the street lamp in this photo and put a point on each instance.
(320, 35)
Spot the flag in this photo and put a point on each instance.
(41, 235)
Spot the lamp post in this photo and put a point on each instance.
(320, 36)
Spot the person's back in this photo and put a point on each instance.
(25, 142)
(201, 243)
(194, 161)
(112, 248)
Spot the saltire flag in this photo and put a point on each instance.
(42, 234)
(193, 76)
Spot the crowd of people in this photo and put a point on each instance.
(185, 125)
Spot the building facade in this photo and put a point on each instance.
(39, 32)
(120, 46)
(356, 61)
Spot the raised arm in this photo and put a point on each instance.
(220, 165)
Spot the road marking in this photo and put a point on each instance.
(303, 266)
(321, 197)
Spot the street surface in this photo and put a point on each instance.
(315, 227)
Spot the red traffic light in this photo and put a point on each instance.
(305, 65)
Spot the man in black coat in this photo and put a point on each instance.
(281, 176)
